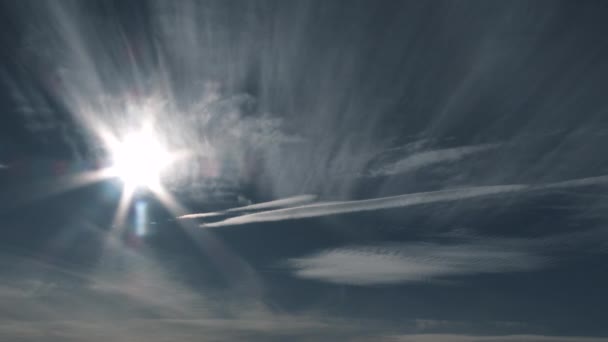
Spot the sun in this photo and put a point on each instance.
(139, 160)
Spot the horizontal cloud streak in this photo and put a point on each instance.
(505, 338)
(332, 208)
(323, 209)
(422, 159)
(202, 215)
(412, 262)
(284, 202)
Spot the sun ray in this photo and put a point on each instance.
(123, 205)
(232, 266)
(48, 188)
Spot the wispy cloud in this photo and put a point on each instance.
(280, 203)
(284, 202)
(139, 301)
(132, 298)
(459, 254)
(332, 208)
(340, 207)
(202, 215)
(157, 330)
(504, 338)
(412, 262)
(427, 158)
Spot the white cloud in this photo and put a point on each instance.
(505, 338)
(331, 208)
(342, 207)
(157, 330)
(422, 159)
(412, 262)
(280, 203)
(132, 298)
(284, 202)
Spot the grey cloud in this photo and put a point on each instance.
(427, 158)
(127, 297)
(157, 330)
(504, 338)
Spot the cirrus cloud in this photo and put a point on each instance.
(412, 262)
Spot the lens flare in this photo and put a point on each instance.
(139, 160)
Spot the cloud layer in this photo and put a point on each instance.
(422, 159)
(412, 262)
(342, 207)
(505, 338)
(284, 202)
(332, 208)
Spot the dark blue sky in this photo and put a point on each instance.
(399, 171)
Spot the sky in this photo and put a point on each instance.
(303, 170)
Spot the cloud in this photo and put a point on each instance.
(342, 207)
(284, 202)
(422, 159)
(460, 254)
(156, 330)
(412, 262)
(505, 338)
(202, 215)
(130, 297)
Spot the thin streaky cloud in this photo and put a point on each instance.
(576, 183)
(422, 159)
(284, 202)
(323, 209)
(332, 208)
(202, 215)
(414, 262)
(496, 338)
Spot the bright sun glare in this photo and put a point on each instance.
(139, 160)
